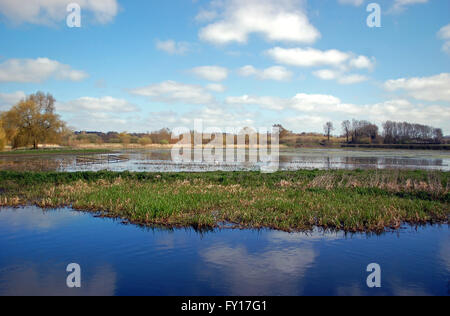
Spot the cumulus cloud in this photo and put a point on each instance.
(211, 73)
(400, 5)
(355, 3)
(311, 57)
(340, 62)
(236, 20)
(271, 103)
(444, 34)
(434, 88)
(277, 73)
(340, 72)
(104, 104)
(307, 57)
(352, 79)
(326, 74)
(47, 12)
(210, 116)
(37, 70)
(315, 105)
(175, 92)
(215, 87)
(362, 62)
(339, 76)
(173, 48)
(7, 100)
(102, 114)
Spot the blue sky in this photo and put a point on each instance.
(143, 65)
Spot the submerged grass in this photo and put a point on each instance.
(289, 201)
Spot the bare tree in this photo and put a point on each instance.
(347, 128)
(328, 128)
(404, 133)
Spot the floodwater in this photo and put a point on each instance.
(290, 159)
(117, 259)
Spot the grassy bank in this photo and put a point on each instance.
(290, 201)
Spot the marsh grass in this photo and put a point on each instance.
(289, 201)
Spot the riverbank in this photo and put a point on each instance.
(288, 201)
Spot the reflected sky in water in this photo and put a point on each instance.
(116, 259)
(293, 159)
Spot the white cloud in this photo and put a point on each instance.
(313, 102)
(7, 100)
(236, 20)
(362, 62)
(97, 105)
(355, 3)
(435, 88)
(37, 70)
(206, 15)
(271, 103)
(211, 117)
(308, 57)
(175, 92)
(352, 79)
(328, 74)
(211, 73)
(340, 62)
(446, 47)
(47, 12)
(400, 5)
(300, 102)
(173, 48)
(444, 34)
(216, 87)
(319, 106)
(305, 123)
(277, 73)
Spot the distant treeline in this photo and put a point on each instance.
(163, 136)
(364, 132)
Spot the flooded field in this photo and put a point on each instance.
(161, 161)
(117, 259)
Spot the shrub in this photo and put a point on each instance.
(144, 141)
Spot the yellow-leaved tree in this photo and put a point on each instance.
(3, 139)
(33, 121)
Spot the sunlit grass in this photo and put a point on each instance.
(290, 201)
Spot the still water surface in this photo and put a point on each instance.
(117, 259)
(290, 159)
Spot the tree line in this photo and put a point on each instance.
(361, 131)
